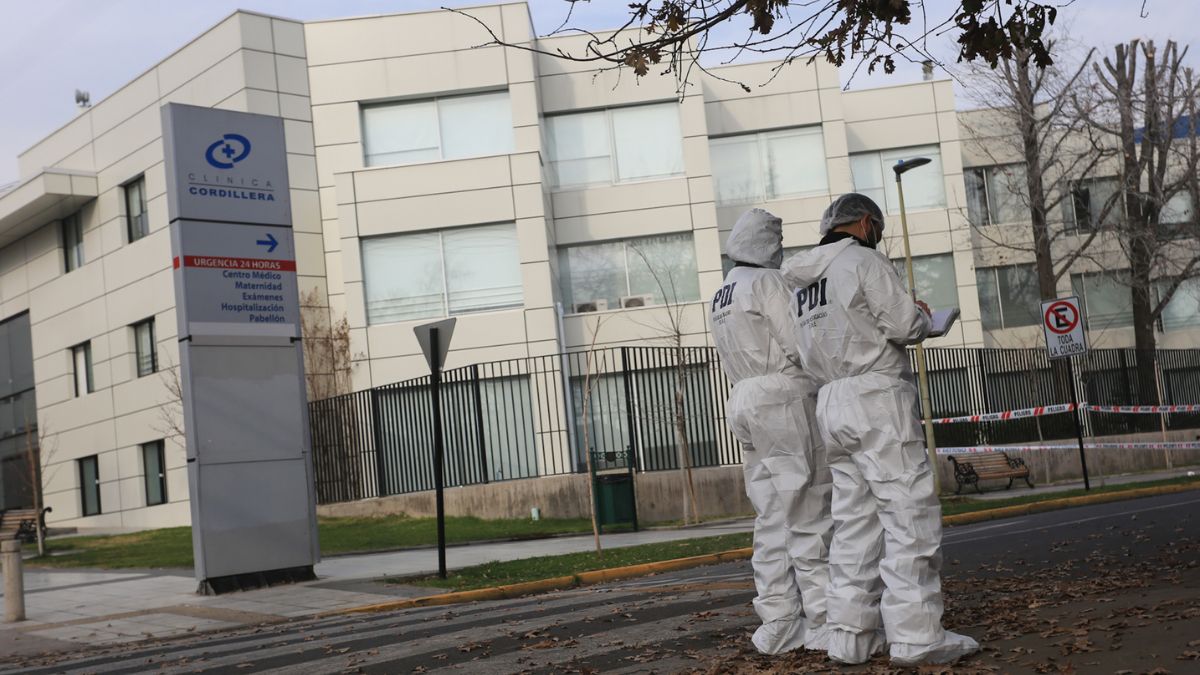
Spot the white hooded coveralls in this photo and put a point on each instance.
(852, 319)
(770, 411)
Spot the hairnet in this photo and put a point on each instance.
(850, 208)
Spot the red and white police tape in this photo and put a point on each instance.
(1186, 445)
(1145, 409)
(1059, 408)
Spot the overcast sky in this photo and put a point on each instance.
(49, 48)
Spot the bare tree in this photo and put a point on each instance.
(327, 358)
(673, 332)
(1144, 116)
(672, 36)
(589, 383)
(39, 448)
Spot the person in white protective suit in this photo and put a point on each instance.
(852, 318)
(770, 411)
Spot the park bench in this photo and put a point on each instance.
(21, 524)
(969, 470)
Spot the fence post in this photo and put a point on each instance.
(480, 439)
(627, 379)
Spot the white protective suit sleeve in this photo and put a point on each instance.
(900, 319)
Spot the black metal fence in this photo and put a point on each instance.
(524, 418)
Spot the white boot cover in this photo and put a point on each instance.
(949, 649)
(851, 648)
(818, 638)
(782, 635)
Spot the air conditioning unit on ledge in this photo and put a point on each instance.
(644, 300)
(591, 306)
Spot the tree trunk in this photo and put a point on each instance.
(685, 452)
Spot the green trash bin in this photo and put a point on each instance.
(615, 500)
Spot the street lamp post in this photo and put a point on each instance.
(922, 372)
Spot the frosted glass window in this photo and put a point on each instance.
(579, 148)
(612, 146)
(1107, 301)
(1093, 203)
(1183, 311)
(924, 186)
(81, 362)
(145, 348)
(1008, 296)
(1178, 209)
(431, 130)
(936, 281)
(663, 268)
(483, 268)
(475, 126)
(647, 141)
(432, 274)
(996, 194)
(765, 166)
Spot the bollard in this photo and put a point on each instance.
(14, 582)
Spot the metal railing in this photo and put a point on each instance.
(524, 418)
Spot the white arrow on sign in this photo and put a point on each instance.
(445, 329)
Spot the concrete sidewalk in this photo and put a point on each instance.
(70, 608)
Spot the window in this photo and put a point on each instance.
(137, 221)
(1095, 202)
(924, 187)
(145, 348)
(72, 238)
(760, 167)
(443, 128)
(427, 274)
(89, 485)
(1008, 296)
(613, 146)
(81, 360)
(155, 471)
(650, 270)
(1183, 310)
(1107, 301)
(996, 194)
(1176, 217)
(936, 281)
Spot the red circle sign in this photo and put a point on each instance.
(1061, 317)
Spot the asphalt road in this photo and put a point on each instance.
(1102, 588)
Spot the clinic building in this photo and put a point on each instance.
(527, 196)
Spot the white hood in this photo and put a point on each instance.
(757, 238)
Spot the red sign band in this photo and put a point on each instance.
(224, 263)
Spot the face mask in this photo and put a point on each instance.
(872, 237)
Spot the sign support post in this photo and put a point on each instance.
(1062, 323)
(434, 339)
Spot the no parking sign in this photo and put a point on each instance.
(1062, 321)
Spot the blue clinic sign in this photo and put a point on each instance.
(229, 166)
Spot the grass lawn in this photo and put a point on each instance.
(547, 567)
(172, 547)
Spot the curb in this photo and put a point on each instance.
(645, 569)
(1066, 502)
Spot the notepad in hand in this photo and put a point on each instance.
(942, 320)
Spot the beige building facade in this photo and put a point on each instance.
(545, 206)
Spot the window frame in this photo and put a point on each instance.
(1081, 290)
(994, 280)
(143, 217)
(445, 281)
(137, 355)
(614, 174)
(158, 447)
(569, 308)
(1117, 213)
(72, 241)
(84, 348)
(761, 140)
(886, 173)
(94, 460)
(435, 101)
(987, 172)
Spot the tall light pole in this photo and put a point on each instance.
(922, 373)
